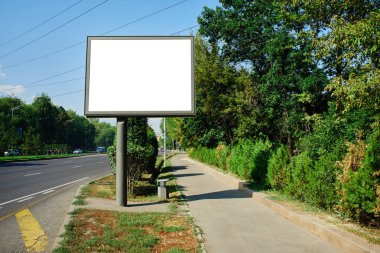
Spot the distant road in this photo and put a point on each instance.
(46, 188)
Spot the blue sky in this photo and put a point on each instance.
(47, 75)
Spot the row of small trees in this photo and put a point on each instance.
(44, 128)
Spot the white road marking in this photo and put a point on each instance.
(27, 196)
(100, 162)
(25, 199)
(31, 166)
(78, 166)
(47, 192)
(28, 175)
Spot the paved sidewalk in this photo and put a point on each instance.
(233, 222)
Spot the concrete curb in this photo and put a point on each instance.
(67, 219)
(341, 239)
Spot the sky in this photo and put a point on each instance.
(42, 42)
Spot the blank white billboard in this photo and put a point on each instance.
(140, 76)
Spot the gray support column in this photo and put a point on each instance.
(121, 162)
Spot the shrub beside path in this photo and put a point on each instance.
(231, 221)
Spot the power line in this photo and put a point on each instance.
(53, 30)
(184, 30)
(51, 77)
(46, 84)
(83, 42)
(43, 56)
(147, 16)
(44, 22)
(64, 94)
(46, 78)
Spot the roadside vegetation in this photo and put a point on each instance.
(38, 157)
(143, 190)
(107, 231)
(42, 128)
(289, 99)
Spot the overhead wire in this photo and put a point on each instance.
(53, 30)
(83, 42)
(46, 78)
(189, 28)
(29, 85)
(40, 24)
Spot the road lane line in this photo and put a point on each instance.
(47, 192)
(22, 200)
(13, 200)
(100, 162)
(28, 175)
(34, 236)
(78, 166)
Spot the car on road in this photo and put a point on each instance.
(101, 150)
(11, 152)
(78, 151)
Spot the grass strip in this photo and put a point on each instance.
(5, 159)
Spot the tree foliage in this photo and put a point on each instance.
(304, 75)
(43, 128)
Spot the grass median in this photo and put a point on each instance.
(111, 231)
(5, 159)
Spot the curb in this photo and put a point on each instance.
(66, 220)
(339, 238)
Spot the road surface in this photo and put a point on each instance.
(41, 192)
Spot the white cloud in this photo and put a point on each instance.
(12, 90)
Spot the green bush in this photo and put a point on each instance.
(206, 155)
(296, 176)
(249, 160)
(322, 182)
(223, 153)
(360, 185)
(277, 164)
(141, 150)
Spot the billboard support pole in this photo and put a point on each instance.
(164, 142)
(121, 162)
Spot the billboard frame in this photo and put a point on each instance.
(125, 114)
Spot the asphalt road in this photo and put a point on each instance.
(46, 188)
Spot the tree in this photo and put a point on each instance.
(284, 84)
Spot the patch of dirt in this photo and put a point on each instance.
(90, 223)
(185, 239)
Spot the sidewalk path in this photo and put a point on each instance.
(233, 222)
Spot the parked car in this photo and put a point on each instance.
(78, 151)
(11, 152)
(101, 150)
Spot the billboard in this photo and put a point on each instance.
(139, 76)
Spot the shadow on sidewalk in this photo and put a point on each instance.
(227, 194)
(188, 175)
(175, 168)
(147, 203)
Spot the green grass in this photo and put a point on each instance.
(125, 232)
(175, 250)
(80, 200)
(5, 159)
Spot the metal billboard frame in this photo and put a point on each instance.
(124, 114)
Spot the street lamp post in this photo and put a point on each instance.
(14, 109)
